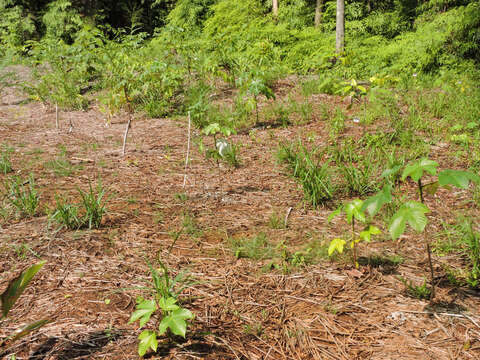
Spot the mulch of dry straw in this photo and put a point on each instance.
(324, 311)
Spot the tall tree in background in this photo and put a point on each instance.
(340, 43)
(275, 7)
(318, 13)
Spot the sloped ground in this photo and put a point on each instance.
(245, 309)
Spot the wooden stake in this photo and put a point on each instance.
(188, 151)
(129, 123)
(126, 134)
(287, 215)
(56, 116)
(70, 123)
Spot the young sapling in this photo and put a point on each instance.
(353, 212)
(414, 213)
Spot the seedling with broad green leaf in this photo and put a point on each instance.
(355, 91)
(353, 212)
(374, 203)
(8, 299)
(172, 318)
(223, 149)
(414, 213)
(415, 171)
(257, 87)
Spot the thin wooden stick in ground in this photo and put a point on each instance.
(129, 123)
(126, 134)
(287, 215)
(188, 151)
(71, 123)
(56, 116)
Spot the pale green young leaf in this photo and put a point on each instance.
(148, 340)
(176, 322)
(144, 311)
(415, 170)
(168, 304)
(362, 89)
(227, 131)
(366, 234)
(336, 245)
(212, 129)
(353, 210)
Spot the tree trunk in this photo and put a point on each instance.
(318, 13)
(275, 7)
(340, 43)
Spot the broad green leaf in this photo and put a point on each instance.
(362, 89)
(412, 213)
(144, 311)
(17, 287)
(336, 245)
(168, 304)
(353, 209)
(458, 178)
(176, 322)
(345, 90)
(227, 131)
(415, 170)
(212, 129)
(148, 340)
(366, 234)
(374, 204)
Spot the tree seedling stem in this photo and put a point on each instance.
(420, 190)
(354, 244)
(256, 109)
(429, 252)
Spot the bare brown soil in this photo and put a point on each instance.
(327, 310)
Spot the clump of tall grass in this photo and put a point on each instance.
(314, 177)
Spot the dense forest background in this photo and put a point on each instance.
(389, 34)
(151, 51)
